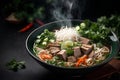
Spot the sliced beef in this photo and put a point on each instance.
(54, 50)
(55, 44)
(84, 40)
(62, 54)
(71, 59)
(86, 49)
(91, 55)
(77, 52)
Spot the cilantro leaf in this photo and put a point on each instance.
(15, 65)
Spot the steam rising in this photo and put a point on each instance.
(63, 9)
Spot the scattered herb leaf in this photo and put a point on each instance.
(15, 65)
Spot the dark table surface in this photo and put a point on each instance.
(13, 46)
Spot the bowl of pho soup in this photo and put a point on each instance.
(71, 47)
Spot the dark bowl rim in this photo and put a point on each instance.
(35, 57)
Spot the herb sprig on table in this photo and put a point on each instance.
(15, 65)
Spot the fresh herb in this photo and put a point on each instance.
(15, 65)
(26, 10)
(93, 30)
(112, 22)
(45, 38)
(98, 31)
(55, 61)
(22, 9)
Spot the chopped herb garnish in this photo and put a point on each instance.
(15, 65)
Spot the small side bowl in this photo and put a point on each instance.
(113, 42)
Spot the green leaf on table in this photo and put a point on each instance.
(15, 65)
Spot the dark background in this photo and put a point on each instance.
(12, 42)
(98, 8)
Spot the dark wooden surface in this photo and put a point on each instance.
(106, 71)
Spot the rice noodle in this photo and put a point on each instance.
(100, 52)
(67, 34)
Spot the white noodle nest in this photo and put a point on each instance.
(67, 34)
